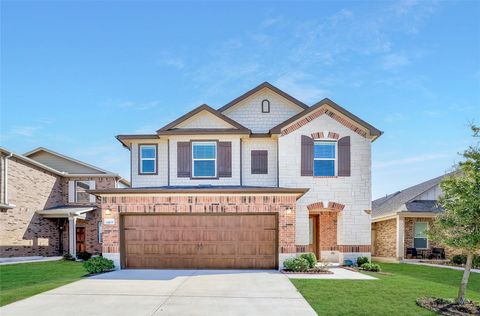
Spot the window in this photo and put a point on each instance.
(259, 161)
(81, 195)
(148, 159)
(265, 106)
(100, 232)
(324, 154)
(204, 159)
(420, 239)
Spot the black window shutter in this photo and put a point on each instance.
(224, 163)
(184, 159)
(344, 159)
(307, 156)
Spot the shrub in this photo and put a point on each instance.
(362, 260)
(296, 264)
(84, 255)
(68, 256)
(476, 262)
(459, 259)
(311, 258)
(323, 265)
(373, 267)
(98, 265)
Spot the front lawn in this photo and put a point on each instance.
(18, 281)
(389, 295)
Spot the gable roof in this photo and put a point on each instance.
(258, 88)
(373, 131)
(38, 150)
(391, 203)
(31, 161)
(170, 127)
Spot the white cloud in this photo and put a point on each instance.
(410, 160)
(394, 61)
(305, 92)
(174, 62)
(394, 117)
(27, 131)
(126, 104)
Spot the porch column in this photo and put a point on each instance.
(72, 236)
(400, 237)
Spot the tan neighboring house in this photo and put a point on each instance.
(261, 179)
(399, 221)
(44, 207)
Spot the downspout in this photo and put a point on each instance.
(5, 181)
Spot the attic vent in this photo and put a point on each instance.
(265, 106)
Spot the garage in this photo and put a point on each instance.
(199, 241)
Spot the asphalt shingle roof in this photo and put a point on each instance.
(390, 204)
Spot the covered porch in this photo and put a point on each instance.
(72, 226)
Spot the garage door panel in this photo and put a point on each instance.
(241, 241)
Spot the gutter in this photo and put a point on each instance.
(5, 204)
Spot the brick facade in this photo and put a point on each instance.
(283, 205)
(24, 233)
(385, 242)
(30, 189)
(328, 231)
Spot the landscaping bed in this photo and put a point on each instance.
(449, 307)
(310, 271)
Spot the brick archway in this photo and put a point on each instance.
(330, 206)
(325, 135)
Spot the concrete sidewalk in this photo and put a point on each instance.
(170, 292)
(15, 260)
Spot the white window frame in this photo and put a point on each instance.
(204, 159)
(76, 192)
(426, 237)
(335, 160)
(142, 159)
(100, 232)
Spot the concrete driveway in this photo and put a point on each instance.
(170, 292)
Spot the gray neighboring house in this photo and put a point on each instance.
(399, 220)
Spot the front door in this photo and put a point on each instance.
(313, 235)
(80, 239)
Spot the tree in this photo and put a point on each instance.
(459, 225)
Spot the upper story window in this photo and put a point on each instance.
(324, 158)
(81, 195)
(265, 106)
(148, 159)
(420, 239)
(204, 159)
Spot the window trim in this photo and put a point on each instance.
(139, 158)
(335, 160)
(100, 232)
(268, 106)
(192, 174)
(426, 236)
(76, 192)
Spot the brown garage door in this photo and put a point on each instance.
(201, 241)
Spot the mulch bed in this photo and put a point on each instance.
(449, 307)
(311, 271)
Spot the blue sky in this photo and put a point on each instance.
(75, 74)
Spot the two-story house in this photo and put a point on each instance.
(45, 209)
(261, 179)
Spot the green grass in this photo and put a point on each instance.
(19, 281)
(389, 295)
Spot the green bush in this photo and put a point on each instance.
(462, 260)
(68, 256)
(84, 255)
(98, 265)
(373, 267)
(459, 259)
(311, 258)
(362, 260)
(296, 264)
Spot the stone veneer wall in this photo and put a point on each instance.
(22, 232)
(385, 243)
(218, 203)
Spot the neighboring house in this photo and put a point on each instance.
(259, 180)
(44, 207)
(399, 220)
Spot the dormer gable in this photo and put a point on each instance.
(203, 119)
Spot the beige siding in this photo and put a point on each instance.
(248, 112)
(61, 164)
(263, 180)
(204, 119)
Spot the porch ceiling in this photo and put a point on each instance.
(66, 211)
